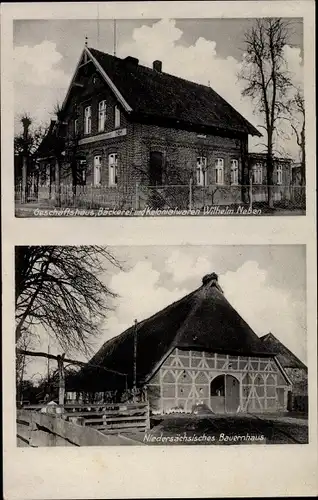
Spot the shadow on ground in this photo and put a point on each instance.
(220, 430)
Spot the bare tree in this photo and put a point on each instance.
(59, 288)
(267, 79)
(25, 145)
(296, 112)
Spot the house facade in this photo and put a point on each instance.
(196, 351)
(282, 177)
(126, 125)
(296, 370)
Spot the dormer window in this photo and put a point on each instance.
(88, 120)
(101, 116)
(117, 117)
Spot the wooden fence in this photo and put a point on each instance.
(109, 418)
(36, 429)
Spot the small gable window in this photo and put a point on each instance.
(117, 117)
(234, 172)
(97, 170)
(219, 171)
(112, 168)
(101, 116)
(201, 171)
(257, 173)
(279, 174)
(88, 120)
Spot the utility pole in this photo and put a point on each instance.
(26, 122)
(115, 35)
(135, 361)
(98, 26)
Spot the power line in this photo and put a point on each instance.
(115, 35)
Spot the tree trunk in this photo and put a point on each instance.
(270, 170)
(245, 172)
(24, 194)
(303, 159)
(57, 183)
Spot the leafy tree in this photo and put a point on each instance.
(59, 288)
(267, 80)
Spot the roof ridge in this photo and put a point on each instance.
(178, 78)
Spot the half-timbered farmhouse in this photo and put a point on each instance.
(197, 350)
(296, 370)
(127, 126)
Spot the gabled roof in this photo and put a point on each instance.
(286, 358)
(152, 94)
(46, 146)
(202, 320)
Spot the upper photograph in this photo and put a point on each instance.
(159, 117)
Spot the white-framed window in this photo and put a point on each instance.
(97, 170)
(88, 120)
(234, 172)
(117, 117)
(76, 127)
(279, 174)
(219, 171)
(201, 171)
(257, 172)
(101, 116)
(112, 169)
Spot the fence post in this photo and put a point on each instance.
(190, 193)
(24, 197)
(137, 196)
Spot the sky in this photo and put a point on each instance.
(265, 284)
(207, 51)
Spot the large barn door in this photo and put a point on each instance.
(232, 394)
(217, 394)
(225, 394)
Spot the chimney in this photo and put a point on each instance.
(211, 280)
(157, 66)
(132, 60)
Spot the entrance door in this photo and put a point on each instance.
(225, 394)
(155, 168)
(232, 394)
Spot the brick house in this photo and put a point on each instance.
(198, 350)
(129, 124)
(282, 177)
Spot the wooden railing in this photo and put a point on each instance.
(36, 429)
(109, 418)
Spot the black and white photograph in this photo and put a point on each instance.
(159, 345)
(150, 117)
(159, 260)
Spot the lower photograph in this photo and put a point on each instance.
(161, 345)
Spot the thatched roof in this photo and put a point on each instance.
(286, 358)
(202, 320)
(152, 93)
